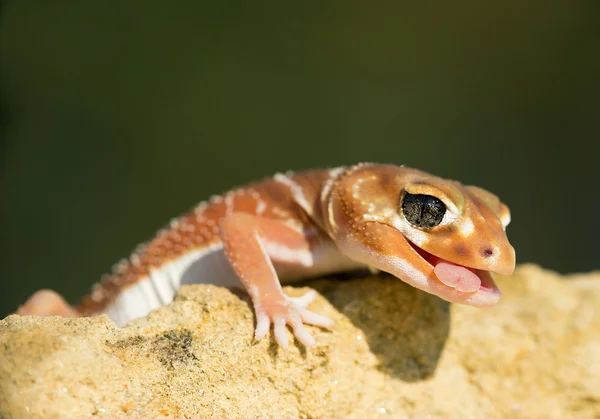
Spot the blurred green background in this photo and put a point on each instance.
(117, 116)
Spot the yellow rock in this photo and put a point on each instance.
(394, 352)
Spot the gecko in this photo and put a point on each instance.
(435, 234)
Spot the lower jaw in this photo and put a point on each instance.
(487, 283)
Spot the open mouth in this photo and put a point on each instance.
(461, 278)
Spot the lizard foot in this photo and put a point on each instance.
(289, 311)
(47, 303)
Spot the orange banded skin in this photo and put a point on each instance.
(195, 230)
(313, 223)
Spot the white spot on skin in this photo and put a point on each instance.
(200, 208)
(280, 213)
(135, 260)
(505, 220)
(229, 203)
(254, 194)
(283, 179)
(356, 187)
(335, 172)
(467, 228)
(120, 267)
(97, 293)
(261, 206)
(216, 199)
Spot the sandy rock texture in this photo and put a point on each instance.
(395, 352)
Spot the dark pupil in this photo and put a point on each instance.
(424, 211)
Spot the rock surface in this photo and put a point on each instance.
(395, 352)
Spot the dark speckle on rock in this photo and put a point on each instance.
(174, 346)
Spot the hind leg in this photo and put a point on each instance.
(47, 303)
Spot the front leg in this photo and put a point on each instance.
(250, 243)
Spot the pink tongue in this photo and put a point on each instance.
(456, 276)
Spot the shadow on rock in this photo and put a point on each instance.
(405, 328)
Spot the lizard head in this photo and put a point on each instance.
(433, 233)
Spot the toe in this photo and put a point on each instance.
(280, 332)
(305, 300)
(314, 319)
(47, 303)
(262, 326)
(302, 334)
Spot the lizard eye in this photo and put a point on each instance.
(423, 211)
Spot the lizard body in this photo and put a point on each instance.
(435, 234)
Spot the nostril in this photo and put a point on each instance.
(487, 252)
